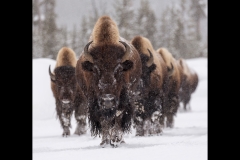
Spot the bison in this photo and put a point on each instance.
(68, 95)
(108, 71)
(189, 84)
(171, 104)
(152, 88)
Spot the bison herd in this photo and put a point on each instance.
(118, 84)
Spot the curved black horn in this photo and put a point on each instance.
(52, 76)
(150, 61)
(127, 53)
(87, 54)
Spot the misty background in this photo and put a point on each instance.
(178, 25)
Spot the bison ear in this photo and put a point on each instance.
(152, 67)
(127, 65)
(87, 66)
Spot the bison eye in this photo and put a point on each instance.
(127, 65)
(87, 66)
(152, 67)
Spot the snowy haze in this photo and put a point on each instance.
(186, 141)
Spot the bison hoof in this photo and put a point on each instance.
(116, 142)
(104, 142)
(139, 134)
(113, 144)
(66, 132)
(159, 134)
(169, 125)
(80, 130)
(77, 132)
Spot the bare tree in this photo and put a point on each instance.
(49, 31)
(124, 17)
(178, 31)
(85, 32)
(145, 24)
(74, 39)
(197, 14)
(168, 29)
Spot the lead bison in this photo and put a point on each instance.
(153, 85)
(189, 84)
(68, 96)
(108, 71)
(171, 104)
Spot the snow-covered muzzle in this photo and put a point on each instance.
(107, 101)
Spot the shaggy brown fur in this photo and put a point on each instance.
(108, 71)
(189, 84)
(154, 78)
(172, 100)
(105, 31)
(67, 94)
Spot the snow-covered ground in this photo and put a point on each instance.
(186, 141)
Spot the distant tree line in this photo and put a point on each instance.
(177, 30)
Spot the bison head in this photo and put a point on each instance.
(108, 65)
(65, 82)
(147, 67)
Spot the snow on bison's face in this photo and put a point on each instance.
(65, 82)
(107, 65)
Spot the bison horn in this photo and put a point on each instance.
(87, 54)
(170, 70)
(150, 61)
(52, 76)
(127, 53)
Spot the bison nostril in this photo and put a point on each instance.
(108, 101)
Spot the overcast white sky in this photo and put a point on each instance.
(186, 141)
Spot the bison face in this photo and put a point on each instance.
(147, 68)
(108, 65)
(65, 82)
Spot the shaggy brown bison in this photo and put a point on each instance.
(67, 94)
(108, 71)
(189, 84)
(171, 104)
(152, 88)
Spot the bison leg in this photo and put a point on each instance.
(116, 133)
(105, 133)
(80, 115)
(138, 124)
(65, 123)
(184, 106)
(170, 121)
(138, 118)
(139, 129)
(147, 128)
(81, 125)
(64, 113)
(157, 127)
(105, 140)
(116, 136)
(161, 120)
